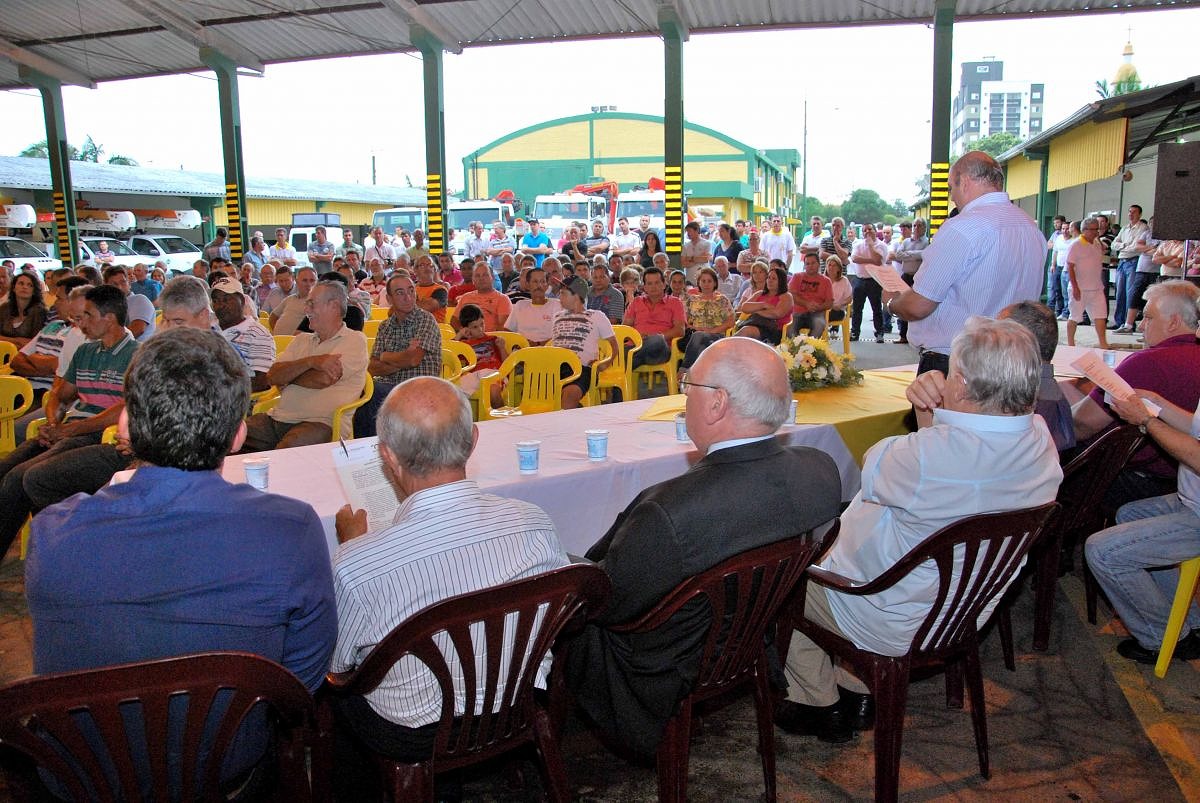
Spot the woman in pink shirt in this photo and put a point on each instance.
(769, 309)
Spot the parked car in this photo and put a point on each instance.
(178, 253)
(22, 252)
(123, 254)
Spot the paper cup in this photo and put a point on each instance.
(792, 411)
(257, 472)
(527, 456)
(681, 427)
(597, 444)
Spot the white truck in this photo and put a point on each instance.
(557, 211)
(633, 204)
(406, 217)
(459, 215)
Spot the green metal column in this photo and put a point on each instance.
(1044, 215)
(66, 231)
(435, 137)
(941, 118)
(231, 148)
(674, 34)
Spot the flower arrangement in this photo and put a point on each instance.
(812, 365)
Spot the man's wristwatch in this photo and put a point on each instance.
(888, 305)
(1142, 427)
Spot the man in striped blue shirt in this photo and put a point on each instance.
(447, 538)
(989, 256)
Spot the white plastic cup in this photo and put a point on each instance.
(257, 472)
(527, 456)
(792, 411)
(597, 444)
(1110, 359)
(681, 427)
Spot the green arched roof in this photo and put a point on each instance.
(583, 118)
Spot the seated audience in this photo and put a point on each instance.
(177, 560)
(495, 306)
(432, 295)
(288, 314)
(659, 318)
(982, 453)
(23, 314)
(533, 317)
(812, 296)
(315, 374)
(1051, 405)
(580, 330)
(78, 409)
(709, 316)
(408, 344)
(448, 538)
(38, 360)
(1135, 562)
(769, 309)
(728, 284)
(354, 318)
(843, 291)
(285, 285)
(602, 296)
(738, 395)
(1166, 366)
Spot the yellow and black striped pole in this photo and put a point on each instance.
(435, 137)
(674, 33)
(939, 145)
(65, 231)
(434, 199)
(231, 149)
(939, 195)
(673, 209)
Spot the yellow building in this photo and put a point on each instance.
(719, 171)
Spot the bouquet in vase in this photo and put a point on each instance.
(811, 364)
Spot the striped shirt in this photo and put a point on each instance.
(47, 343)
(98, 374)
(447, 540)
(986, 258)
(253, 343)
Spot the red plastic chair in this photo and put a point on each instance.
(992, 547)
(744, 594)
(56, 721)
(509, 719)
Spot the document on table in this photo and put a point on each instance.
(360, 471)
(1092, 366)
(887, 277)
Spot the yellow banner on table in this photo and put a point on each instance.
(863, 414)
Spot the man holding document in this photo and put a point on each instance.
(989, 256)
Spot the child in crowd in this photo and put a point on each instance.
(489, 351)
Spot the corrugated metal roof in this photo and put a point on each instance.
(1146, 111)
(34, 174)
(109, 40)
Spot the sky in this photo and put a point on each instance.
(868, 93)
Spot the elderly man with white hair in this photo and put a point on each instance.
(738, 395)
(984, 452)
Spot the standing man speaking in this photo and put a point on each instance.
(988, 256)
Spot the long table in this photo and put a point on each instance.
(581, 496)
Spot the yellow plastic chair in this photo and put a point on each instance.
(380, 313)
(463, 354)
(281, 343)
(7, 352)
(512, 340)
(16, 397)
(841, 326)
(1189, 571)
(541, 391)
(263, 400)
(370, 346)
(448, 332)
(669, 371)
(448, 316)
(342, 423)
(617, 375)
(109, 435)
(371, 327)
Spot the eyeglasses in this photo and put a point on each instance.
(686, 384)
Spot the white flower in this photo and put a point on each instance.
(821, 372)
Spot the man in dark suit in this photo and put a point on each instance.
(748, 490)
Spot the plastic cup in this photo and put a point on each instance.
(597, 444)
(1110, 359)
(792, 411)
(527, 456)
(257, 472)
(681, 427)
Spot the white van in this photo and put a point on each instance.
(178, 253)
(123, 254)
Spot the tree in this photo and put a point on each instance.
(41, 150)
(117, 159)
(864, 206)
(90, 152)
(995, 144)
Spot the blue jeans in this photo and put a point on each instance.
(1064, 281)
(1124, 282)
(1056, 296)
(1136, 563)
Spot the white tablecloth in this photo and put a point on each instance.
(582, 497)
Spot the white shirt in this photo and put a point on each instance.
(582, 333)
(535, 322)
(779, 246)
(141, 308)
(1088, 259)
(624, 242)
(444, 541)
(861, 249)
(912, 486)
(812, 241)
(253, 343)
(986, 258)
(1189, 481)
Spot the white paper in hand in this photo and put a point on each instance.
(1092, 366)
(360, 471)
(887, 277)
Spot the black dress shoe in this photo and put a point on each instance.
(1186, 649)
(857, 709)
(824, 722)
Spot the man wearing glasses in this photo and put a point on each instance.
(1085, 262)
(738, 395)
(409, 343)
(317, 373)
